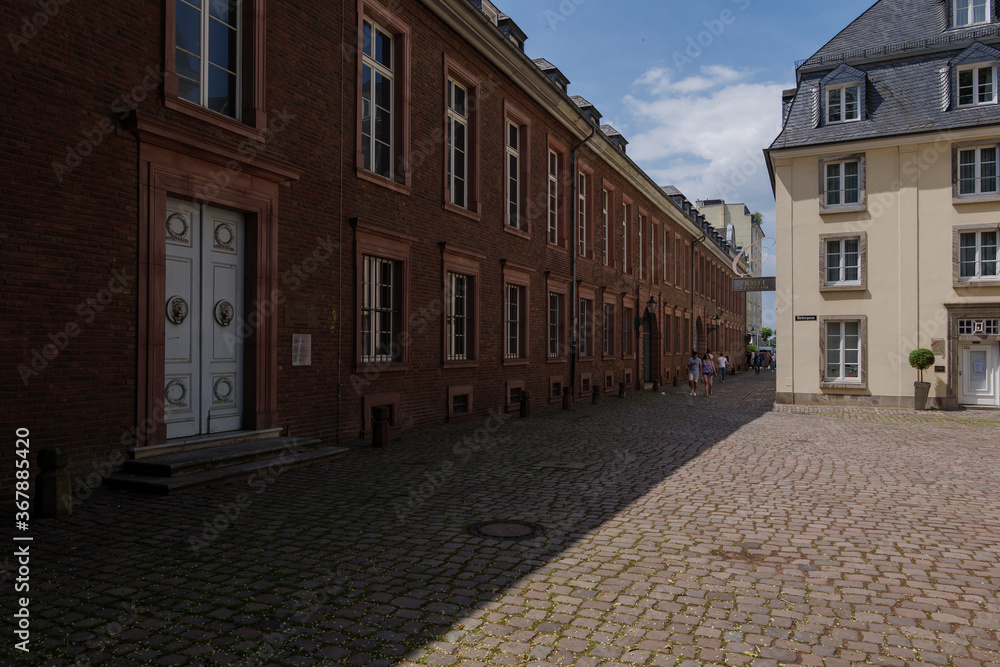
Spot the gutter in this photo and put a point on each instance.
(574, 257)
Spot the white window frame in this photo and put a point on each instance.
(604, 214)
(205, 65)
(513, 153)
(556, 325)
(514, 321)
(979, 262)
(458, 189)
(582, 213)
(977, 84)
(642, 223)
(664, 261)
(381, 318)
(978, 164)
(368, 137)
(586, 318)
(960, 21)
(628, 315)
(459, 317)
(842, 350)
(609, 329)
(842, 266)
(841, 189)
(553, 231)
(983, 327)
(841, 106)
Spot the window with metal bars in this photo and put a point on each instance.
(380, 310)
(458, 317)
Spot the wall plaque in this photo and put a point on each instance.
(301, 318)
(301, 350)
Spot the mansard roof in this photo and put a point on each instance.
(898, 26)
(904, 53)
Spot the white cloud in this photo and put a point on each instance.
(706, 134)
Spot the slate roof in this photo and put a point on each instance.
(908, 90)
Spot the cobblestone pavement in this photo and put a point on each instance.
(679, 531)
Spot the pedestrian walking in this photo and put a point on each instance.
(723, 363)
(708, 373)
(694, 372)
(756, 364)
(774, 361)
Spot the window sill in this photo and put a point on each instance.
(978, 282)
(386, 367)
(472, 215)
(455, 419)
(212, 118)
(366, 175)
(609, 357)
(517, 362)
(847, 287)
(958, 200)
(834, 123)
(844, 384)
(587, 358)
(557, 248)
(517, 232)
(852, 208)
(556, 360)
(450, 365)
(628, 357)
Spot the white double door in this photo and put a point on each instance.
(980, 374)
(203, 379)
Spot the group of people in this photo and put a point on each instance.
(705, 369)
(759, 360)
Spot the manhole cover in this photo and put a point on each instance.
(506, 530)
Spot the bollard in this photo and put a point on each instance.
(674, 382)
(525, 404)
(53, 489)
(567, 398)
(621, 390)
(380, 427)
(656, 384)
(597, 395)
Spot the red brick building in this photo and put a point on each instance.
(242, 216)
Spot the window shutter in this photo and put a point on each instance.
(817, 105)
(944, 74)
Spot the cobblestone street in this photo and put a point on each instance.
(678, 531)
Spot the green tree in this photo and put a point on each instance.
(766, 334)
(758, 217)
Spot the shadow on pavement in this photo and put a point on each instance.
(365, 560)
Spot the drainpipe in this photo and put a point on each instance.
(694, 326)
(574, 251)
(340, 233)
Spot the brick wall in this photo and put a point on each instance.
(69, 239)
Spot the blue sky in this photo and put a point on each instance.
(695, 87)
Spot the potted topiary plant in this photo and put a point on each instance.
(921, 359)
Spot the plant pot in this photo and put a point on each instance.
(920, 392)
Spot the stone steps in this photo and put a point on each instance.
(231, 461)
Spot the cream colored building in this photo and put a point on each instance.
(888, 210)
(742, 232)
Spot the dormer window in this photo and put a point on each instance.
(970, 12)
(977, 85)
(843, 103)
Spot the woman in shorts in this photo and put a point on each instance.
(707, 372)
